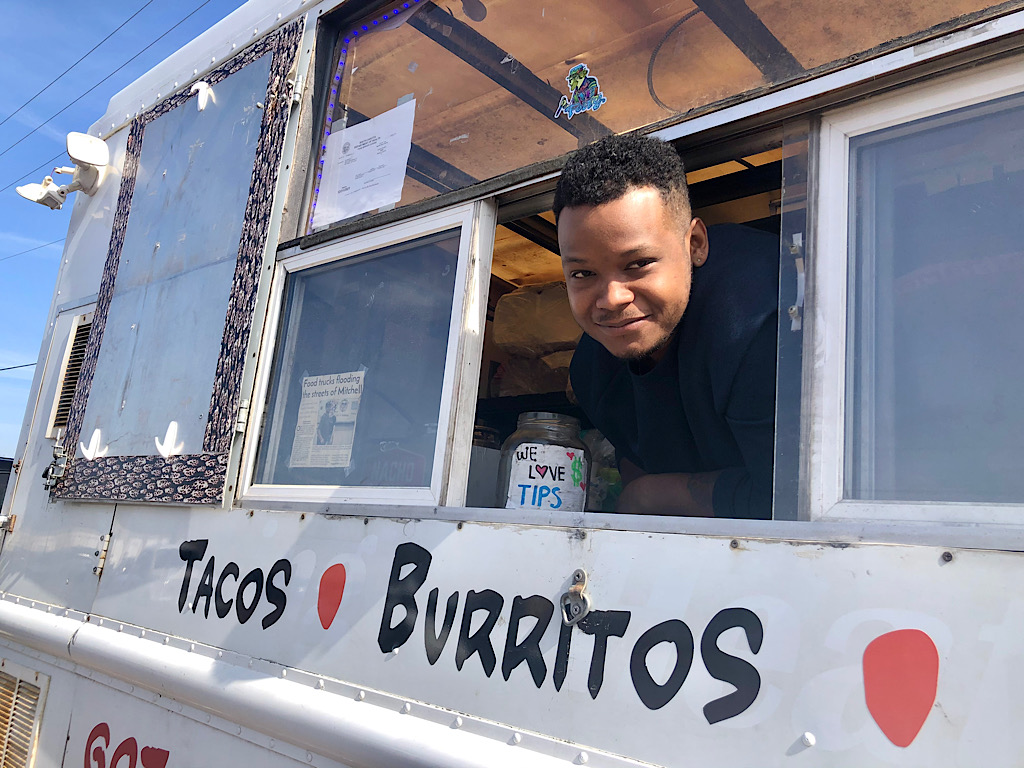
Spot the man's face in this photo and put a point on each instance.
(627, 266)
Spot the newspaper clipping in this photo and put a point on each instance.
(327, 420)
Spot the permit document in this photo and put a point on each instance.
(364, 165)
(327, 420)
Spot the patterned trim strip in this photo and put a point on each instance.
(200, 478)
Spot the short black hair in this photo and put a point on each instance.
(607, 169)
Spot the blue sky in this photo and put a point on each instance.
(38, 41)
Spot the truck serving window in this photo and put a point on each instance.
(922, 196)
(531, 335)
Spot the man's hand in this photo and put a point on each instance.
(682, 494)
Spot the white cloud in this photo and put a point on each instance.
(10, 358)
(30, 119)
(16, 242)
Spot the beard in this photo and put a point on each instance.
(641, 356)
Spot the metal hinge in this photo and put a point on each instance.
(101, 554)
(243, 415)
(297, 83)
(55, 470)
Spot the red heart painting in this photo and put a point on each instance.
(570, 454)
(901, 678)
(332, 587)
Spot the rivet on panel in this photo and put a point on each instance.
(142, 633)
(167, 640)
(191, 647)
(582, 758)
(808, 739)
(320, 684)
(360, 696)
(120, 627)
(250, 663)
(458, 722)
(406, 708)
(309, 757)
(220, 654)
(284, 673)
(272, 743)
(517, 738)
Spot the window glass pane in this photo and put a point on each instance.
(158, 358)
(356, 394)
(500, 84)
(937, 242)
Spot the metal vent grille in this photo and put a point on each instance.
(18, 703)
(71, 373)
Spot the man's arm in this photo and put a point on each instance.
(681, 494)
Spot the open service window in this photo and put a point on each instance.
(918, 350)
(754, 185)
(375, 342)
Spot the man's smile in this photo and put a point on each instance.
(623, 324)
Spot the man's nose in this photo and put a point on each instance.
(615, 295)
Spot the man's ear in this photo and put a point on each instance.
(697, 240)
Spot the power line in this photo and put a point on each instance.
(29, 250)
(101, 82)
(24, 176)
(16, 367)
(58, 77)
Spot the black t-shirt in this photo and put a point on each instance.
(709, 403)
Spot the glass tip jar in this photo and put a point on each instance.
(544, 465)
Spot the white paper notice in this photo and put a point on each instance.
(327, 420)
(364, 165)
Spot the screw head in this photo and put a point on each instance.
(947, 557)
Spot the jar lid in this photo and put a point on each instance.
(540, 417)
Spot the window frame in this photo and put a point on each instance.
(476, 222)
(826, 353)
(201, 477)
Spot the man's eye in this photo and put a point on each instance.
(640, 263)
(578, 274)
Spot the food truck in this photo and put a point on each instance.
(312, 282)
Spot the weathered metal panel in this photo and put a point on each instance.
(818, 608)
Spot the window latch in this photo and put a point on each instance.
(576, 602)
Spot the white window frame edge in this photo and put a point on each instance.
(831, 274)
(475, 221)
